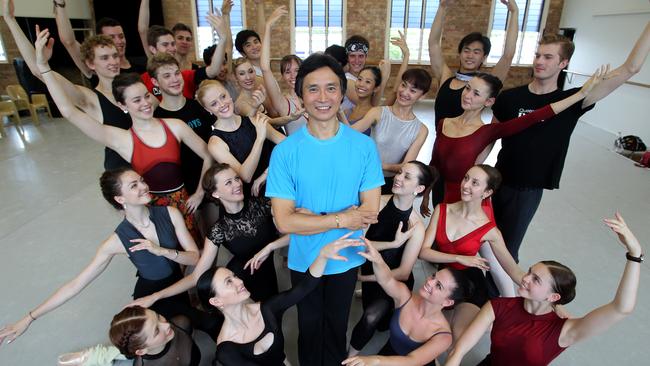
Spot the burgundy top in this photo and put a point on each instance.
(520, 338)
(468, 244)
(453, 156)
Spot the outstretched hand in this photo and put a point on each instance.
(371, 253)
(13, 331)
(144, 302)
(625, 235)
(511, 4)
(218, 23)
(401, 43)
(473, 261)
(595, 79)
(226, 7)
(278, 13)
(259, 258)
(331, 250)
(402, 237)
(43, 46)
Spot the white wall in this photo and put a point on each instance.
(77, 9)
(604, 35)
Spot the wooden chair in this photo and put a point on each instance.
(40, 101)
(8, 108)
(21, 100)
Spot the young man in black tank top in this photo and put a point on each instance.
(533, 160)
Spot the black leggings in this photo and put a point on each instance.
(323, 318)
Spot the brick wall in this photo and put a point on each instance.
(464, 17)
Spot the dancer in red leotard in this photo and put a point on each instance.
(459, 230)
(460, 140)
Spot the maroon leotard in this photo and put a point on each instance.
(159, 166)
(453, 156)
(468, 244)
(520, 338)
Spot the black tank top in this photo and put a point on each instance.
(384, 230)
(241, 141)
(150, 266)
(448, 102)
(112, 115)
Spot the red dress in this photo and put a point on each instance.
(520, 338)
(453, 156)
(468, 244)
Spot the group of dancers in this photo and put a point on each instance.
(327, 168)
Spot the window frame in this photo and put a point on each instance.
(4, 60)
(195, 24)
(520, 38)
(420, 61)
(292, 28)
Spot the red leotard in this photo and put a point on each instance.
(468, 244)
(159, 166)
(520, 338)
(453, 156)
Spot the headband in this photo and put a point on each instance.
(356, 47)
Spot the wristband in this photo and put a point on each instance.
(638, 259)
(31, 316)
(46, 71)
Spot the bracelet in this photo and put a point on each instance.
(338, 221)
(31, 316)
(638, 259)
(176, 254)
(45, 72)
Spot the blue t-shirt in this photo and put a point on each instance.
(323, 176)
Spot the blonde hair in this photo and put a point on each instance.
(239, 61)
(203, 87)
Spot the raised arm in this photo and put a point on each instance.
(66, 35)
(599, 320)
(438, 66)
(623, 73)
(98, 264)
(394, 288)
(26, 49)
(502, 254)
(220, 25)
(471, 335)
(274, 92)
(371, 117)
(143, 26)
(406, 55)
(429, 254)
(259, 257)
(221, 153)
(592, 84)
(512, 32)
(384, 67)
(112, 137)
(226, 8)
(260, 17)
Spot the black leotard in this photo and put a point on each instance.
(112, 115)
(242, 354)
(447, 104)
(244, 234)
(180, 351)
(377, 305)
(240, 142)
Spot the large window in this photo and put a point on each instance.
(319, 24)
(532, 17)
(414, 16)
(205, 36)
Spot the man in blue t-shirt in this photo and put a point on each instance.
(324, 180)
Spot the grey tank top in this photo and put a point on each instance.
(394, 137)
